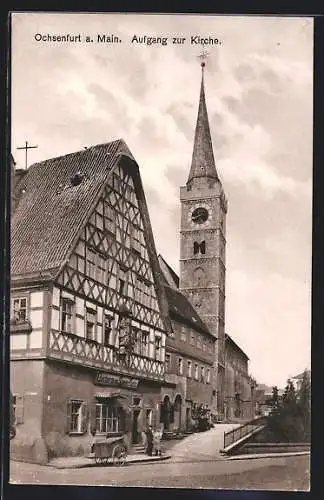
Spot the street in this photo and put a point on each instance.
(195, 463)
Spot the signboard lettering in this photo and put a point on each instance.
(103, 378)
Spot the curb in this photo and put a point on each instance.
(269, 455)
(94, 464)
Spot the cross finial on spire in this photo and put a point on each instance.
(203, 56)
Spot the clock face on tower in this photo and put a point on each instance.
(200, 215)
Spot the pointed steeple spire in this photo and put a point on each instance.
(202, 163)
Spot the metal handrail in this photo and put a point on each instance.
(235, 435)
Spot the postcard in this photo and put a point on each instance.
(161, 223)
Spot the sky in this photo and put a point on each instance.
(259, 94)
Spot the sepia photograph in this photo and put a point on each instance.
(161, 250)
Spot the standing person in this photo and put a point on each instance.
(157, 440)
(149, 441)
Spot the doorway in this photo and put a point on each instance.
(177, 412)
(135, 433)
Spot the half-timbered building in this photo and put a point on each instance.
(89, 310)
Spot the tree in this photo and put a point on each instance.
(304, 406)
(274, 398)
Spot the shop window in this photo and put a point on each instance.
(67, 313)
(107, 418)
(90, 324)
(19, 309)
(18, 408)
(77, 416)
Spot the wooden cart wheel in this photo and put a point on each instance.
(119, 455)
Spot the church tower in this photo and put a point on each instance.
(202, 243)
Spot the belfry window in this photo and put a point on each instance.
(199, 247)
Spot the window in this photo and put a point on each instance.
(196, 372)
(101, 269)
(91, 263)
(192, 339)
(189, 369)
(108, 340)
(180, 366)
(18, 408)
(90, 324)
(199, 341)
(199, 247)
(137, 340)
(19, 308)
(122, 281)
(107, 418)
(168, 362)
(109, 218)
(77, 416)
(67, 309)
(135, 238)
(183, 335)
(158, 348)
(202, 374)
(208, 376)
(145, 343)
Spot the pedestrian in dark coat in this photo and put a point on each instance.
(149, 442)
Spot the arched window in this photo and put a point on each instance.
(199, 247)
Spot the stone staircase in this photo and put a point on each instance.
(137, 449)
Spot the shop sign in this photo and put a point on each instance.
(103, 378)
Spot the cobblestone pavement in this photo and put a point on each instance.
(285, 473)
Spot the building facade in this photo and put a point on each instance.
(189, 359)
(89, 312)
(105, 337)
(239, 395)
(203, 245)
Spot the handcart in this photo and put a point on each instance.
(110, 450)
